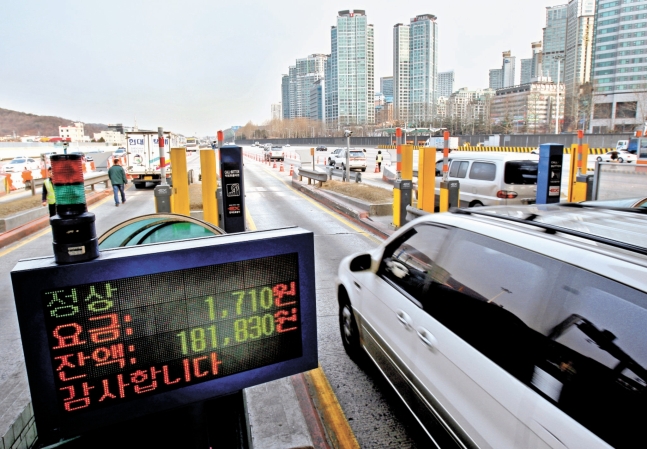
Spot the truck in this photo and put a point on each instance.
(439, 143)
(192, 143)
(143, 156)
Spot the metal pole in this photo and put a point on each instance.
(347, 173)
(160, 139)
(559, 61)
(445, 156)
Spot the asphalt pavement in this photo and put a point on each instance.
(303, 413)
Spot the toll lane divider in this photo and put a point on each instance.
(333, 419)
(567, 150)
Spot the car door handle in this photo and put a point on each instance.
(404, 318)
(357, 286)
(427, 337)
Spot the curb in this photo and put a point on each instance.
(357, 216)
(27, 229)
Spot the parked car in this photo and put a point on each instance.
(492, 179)
(510, 326)
(287, 144)
(356, 160)
(322, 148)
(335, 153)
(623, 156)
(17, 165)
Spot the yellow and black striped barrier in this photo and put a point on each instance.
(567, 150)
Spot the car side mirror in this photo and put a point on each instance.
(360, 263)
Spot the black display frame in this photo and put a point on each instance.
(31, 277)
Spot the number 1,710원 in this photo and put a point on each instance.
(254, 319)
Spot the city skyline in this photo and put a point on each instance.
(186, 68)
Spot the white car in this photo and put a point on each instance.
(510, 326)
(119, 152)
(17, 165)
(276, 153)
(356, 160)
(623, 156)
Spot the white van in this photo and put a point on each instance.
(622, 145)
(492, 179)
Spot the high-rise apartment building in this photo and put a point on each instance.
(445, 83)
(277, 111)
(401, 72)
(578, 55)
(554, 42)
(423, 71)
(496, 79)
(505, 76)
(386, 86)
(508, 69)
(350, 77)
(526, 71)
(535, 70)
(285, 96)
(317, 100)
(619, 66)
(302, 77)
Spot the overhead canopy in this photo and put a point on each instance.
(411, 131)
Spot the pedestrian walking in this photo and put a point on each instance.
(117, 176)
(48, 197)
(378, 158)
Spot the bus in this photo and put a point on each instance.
(192, 143)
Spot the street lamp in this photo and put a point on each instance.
(559, 61)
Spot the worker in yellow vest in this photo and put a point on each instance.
(49, 199)
(378, 158)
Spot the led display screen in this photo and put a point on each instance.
(142, 329)
(116, 340)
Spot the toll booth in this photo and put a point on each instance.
(233, 195)
(549, 173)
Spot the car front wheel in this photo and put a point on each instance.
(620, 159)
(349, 331)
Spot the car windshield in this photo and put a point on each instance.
(356, 154)
(18, 161)
(521, 172)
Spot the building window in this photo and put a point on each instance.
(602, 110)
(626, 109)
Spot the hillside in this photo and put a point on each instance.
(24, 124)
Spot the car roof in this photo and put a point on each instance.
(610, 242)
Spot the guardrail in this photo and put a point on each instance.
(96, 178)
(312, 175)
(354, 175)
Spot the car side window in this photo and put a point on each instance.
(462, 170)
(439, 167)
(492, 295)
(409, 263)
(593, 363)
(483, 171)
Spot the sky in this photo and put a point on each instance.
(196, 66)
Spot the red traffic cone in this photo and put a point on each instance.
(291, 170)
(274, 166)
(281, 168)
(377, 169)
